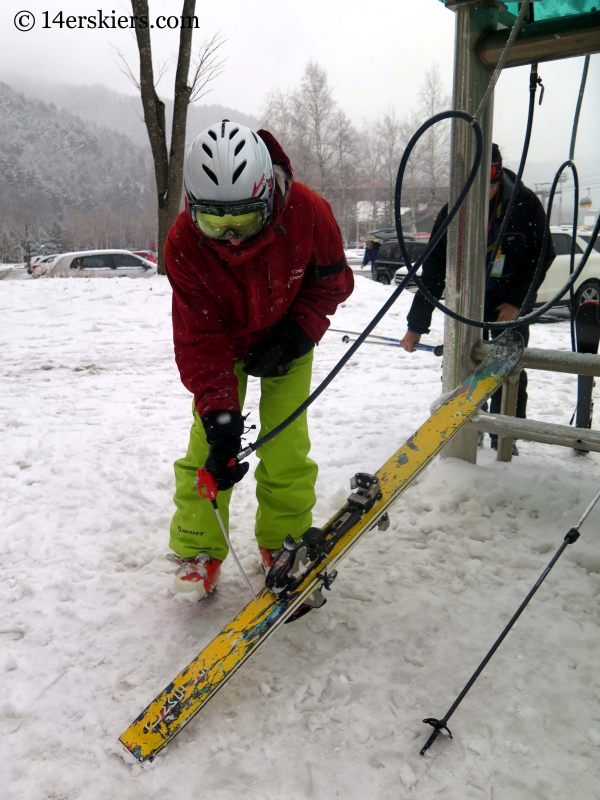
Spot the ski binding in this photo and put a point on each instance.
(297, 558)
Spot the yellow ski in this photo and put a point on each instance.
(174, 707)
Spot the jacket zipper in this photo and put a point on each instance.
(269, 285)
(252, 283)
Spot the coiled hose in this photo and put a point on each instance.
(413, 268)
(405, 281)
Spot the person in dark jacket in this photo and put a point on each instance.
(511, 274)
(371, 249)
(256, 262)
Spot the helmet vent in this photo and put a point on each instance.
(233, 133)
(207, 150)
(262, 191)
(255, 136)
(213, 135)
(238, 171)
(212, 175)
(239, 147)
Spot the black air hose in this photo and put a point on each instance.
(534, 315)
(534, 80)
(406, 280)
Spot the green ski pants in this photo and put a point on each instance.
(285, 476)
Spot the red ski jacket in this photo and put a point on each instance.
(227, 298)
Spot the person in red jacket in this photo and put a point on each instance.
(256, 263)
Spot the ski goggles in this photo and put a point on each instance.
(226, 222)
(495, 173)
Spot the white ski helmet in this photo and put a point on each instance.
(228, 163)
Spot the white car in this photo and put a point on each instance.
(97, 264)
(587, 286)
(37, 260)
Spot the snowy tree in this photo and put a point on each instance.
(371, 181)
(344, 142)
(391, 135)
(280, 119)
(435, 147)
(316, 105)
(356, 170)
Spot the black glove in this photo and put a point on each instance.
(273, 357)
(224, 431)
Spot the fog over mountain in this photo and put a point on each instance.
(118, 112)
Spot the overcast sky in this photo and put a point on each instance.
(376, 54)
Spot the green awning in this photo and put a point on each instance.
(554, 9)
(551, 9)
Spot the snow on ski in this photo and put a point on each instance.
(195, 685)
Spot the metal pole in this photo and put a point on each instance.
(230, 546)
(571, 537)
(27, 237)
(467, 236)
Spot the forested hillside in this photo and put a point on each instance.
(81, 179)
(89, 185)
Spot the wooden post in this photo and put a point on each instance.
(508, 408)
(467, 235)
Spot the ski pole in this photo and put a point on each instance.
(207, 488)
(440, 725)
(370, 336)
(357, 333)
(437, 349)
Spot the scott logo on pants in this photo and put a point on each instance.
(192, 533)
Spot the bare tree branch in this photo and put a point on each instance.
(207, 66)
(164, 68)
(124, 67)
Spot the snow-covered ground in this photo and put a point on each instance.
(92, 415)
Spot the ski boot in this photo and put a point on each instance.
(198, 574)
(267, 558)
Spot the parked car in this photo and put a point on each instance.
(36, 261)
(586, 236)
(149, 255)
(384, 234)
(587, 286)
(98, 264)
(389, 261)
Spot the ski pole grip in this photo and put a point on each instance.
(206, 484)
